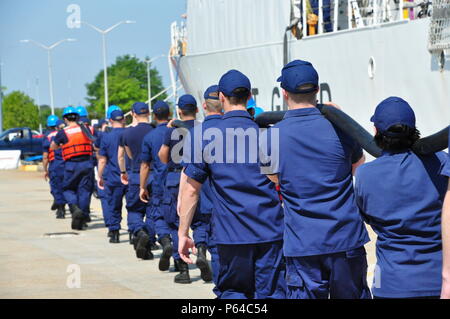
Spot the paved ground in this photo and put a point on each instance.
(36, 265)
(33, 265)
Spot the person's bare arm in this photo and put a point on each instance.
(445, 293)
(183, 181)
(361, 161)
(163, 154)
(189, 195)
(102, 160)
(45, 164)
(54, 146)
(143, 178)
(122, 167)
(273, 178)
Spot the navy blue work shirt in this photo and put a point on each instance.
(446, 170)
(400, 196)
(108, 148)
(132, 137)
(314, 168)
(172, 141)
(206, 195)
(150, 147)
(246, 205)
(61, 138)
(46, 147)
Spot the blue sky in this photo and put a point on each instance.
(76, 63)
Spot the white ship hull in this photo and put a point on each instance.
(402, 66)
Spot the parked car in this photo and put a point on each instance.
(23, 139)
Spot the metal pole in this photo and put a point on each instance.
(149, 95)
(50, 81)
(105, 74)
(1, 99)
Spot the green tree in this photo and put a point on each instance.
(19, 110)
(127, 83)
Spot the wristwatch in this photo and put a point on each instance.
(123, 172)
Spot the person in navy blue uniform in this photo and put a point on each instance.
(109, 176)
(325, 234)
(78, 180)
(247, 217)
(201, 225)
(445, 293)
(54, 167)
(187, 110)
(99, 131)
(400, 195)
(149, 157)
(139, 225)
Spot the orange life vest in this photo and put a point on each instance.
(51, 153)
(78, 144)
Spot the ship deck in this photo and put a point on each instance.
(36, 264)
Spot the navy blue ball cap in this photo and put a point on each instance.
(160, 106)
(233, 80)
(140, 108)
(117, 115)
(211, 90)
(393, 111)
(187, 102)
(299, 73)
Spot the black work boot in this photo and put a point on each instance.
(141, 244)
(202, 263)
(183, 276)
(60, 212)
(115, 237)
(164, 262)
(77, 217)
(131, 239)
(148, 254)
(175, 266)
(54, 206)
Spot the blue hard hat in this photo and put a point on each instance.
(69, 110)
(81, 110)
(111, 108)
(60, 122)
(52, 120)
(251, 103)
(258, 111)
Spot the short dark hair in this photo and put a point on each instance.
(162, 114)
(405, 138)
(72, 117)
(191, 111)
(241, 96)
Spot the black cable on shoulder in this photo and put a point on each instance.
(433, 143)
(86, 132)
(424, 146)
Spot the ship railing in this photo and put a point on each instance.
(313, 17)
(439, 33)
(149, 102)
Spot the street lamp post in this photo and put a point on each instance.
(105, 71)
(1, 99)
(49, 61)
(149, 83)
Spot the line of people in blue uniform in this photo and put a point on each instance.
(308, 244)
